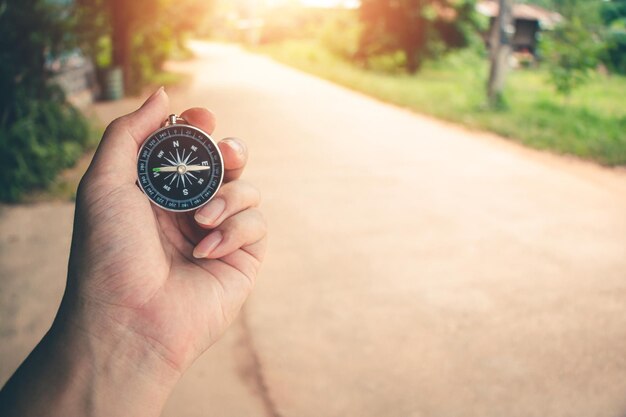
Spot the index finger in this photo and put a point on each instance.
(201, 118)
(234, 150)
(235, 154)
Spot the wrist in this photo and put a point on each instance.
(72, 372)
(120, 374)
(85, 366)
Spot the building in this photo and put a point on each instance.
(529, 21)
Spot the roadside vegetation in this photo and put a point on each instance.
(590, 123)
(570, 100)
(41, 133)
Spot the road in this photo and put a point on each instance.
(415, 268)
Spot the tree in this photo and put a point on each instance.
(573, 49)
(613, 14)
(500, 51)
(40, 133)
(419, 28)
(141, 33)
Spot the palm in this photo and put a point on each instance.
(149, 280)
(145, 276)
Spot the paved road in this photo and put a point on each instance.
(415, 268)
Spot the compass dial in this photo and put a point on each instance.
(179, 167)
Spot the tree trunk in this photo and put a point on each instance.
(412, 61)
(121, 39)
(500, 43)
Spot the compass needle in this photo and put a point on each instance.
(198, 167)
(179, 167)
(168, 168)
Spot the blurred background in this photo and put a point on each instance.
(444, 182)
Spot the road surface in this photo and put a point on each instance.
(415, 268)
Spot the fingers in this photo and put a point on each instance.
(235, 154)
(148, 118)
(117, 153)
(232, 198)
(234, 151)
(201, 118)
(238, 231)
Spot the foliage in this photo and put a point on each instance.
(47, 136)
(572, 53)
(341, 32)
(591, 126)
(40, 133)
(139, 35)
(419, 28)
(613, 15)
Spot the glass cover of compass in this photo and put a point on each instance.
(180, 167)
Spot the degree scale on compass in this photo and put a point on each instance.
(179, 166)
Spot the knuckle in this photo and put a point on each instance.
(259, 218)
(117, 125)
(118, 122)
(256, 193)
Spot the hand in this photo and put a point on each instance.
(149, 290)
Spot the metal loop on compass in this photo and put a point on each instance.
(173, 119)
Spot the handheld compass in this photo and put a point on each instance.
(179, 167)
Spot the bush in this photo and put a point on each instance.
(572, 54)
(340, 34)
(46, 137)
(40, 133)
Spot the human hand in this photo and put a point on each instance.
(148, 290)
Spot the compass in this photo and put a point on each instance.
(180, 167)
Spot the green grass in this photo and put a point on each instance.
(591, 124)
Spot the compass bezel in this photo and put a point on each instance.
(205, 138)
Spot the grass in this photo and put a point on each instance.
(590, 124)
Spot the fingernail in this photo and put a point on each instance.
(156, 93)
(209, 214)
(236, 145)
(207, 246)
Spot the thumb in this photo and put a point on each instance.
(116, 157)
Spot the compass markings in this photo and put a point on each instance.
(182, 160)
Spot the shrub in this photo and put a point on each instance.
(572, 54)
(45, 137)
(40, 133)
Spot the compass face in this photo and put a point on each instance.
(179, 167)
